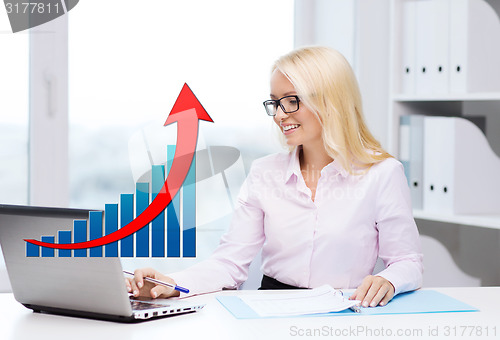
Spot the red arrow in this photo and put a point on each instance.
(187, 111)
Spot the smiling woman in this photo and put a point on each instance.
(336, 192)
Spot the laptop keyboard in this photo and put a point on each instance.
(139, 305)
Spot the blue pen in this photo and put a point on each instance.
(163, 283)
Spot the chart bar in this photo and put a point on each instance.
(126, 216)
(189, 213)
(95, 221)
(158, 224)
(64, 237)
(32, 250)
(80, 235)
(142, 235)
(110, 226)
(173, 214)
(47, 252)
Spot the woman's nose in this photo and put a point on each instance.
(280, 115)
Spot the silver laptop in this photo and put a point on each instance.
(77, 286)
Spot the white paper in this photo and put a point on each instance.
(323, 299)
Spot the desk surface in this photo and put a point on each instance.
(214, 321)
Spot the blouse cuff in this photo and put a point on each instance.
(403, 276)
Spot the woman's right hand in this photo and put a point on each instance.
(140, 287)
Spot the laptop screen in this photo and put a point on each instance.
(85, 284)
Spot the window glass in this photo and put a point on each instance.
(128, 61)
(14, 86)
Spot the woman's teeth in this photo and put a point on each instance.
(292, 126)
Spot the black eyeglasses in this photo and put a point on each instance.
(288, 104)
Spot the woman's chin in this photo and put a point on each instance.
(291, 141)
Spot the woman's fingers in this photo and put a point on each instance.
(160, 291)
(164, 291)
(374, 290)
(386, 299)
(380, 294)
(136, 284)
(368, 300)
(133, 287)
(128, 285)
(362, 290)
(139, 276)
(139, 286)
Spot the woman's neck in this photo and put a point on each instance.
(314, 159)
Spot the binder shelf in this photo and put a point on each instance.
(484, 221)
(478, 96)
(446, 46)
(444, 66)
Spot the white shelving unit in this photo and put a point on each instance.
(485, 221)
(404, 102)
(479, 96)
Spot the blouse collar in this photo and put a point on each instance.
(293, 168)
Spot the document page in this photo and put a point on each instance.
(323, 299)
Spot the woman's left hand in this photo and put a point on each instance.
(374, 291)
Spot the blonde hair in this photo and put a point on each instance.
(326, 84)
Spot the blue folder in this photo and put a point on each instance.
(420, 301)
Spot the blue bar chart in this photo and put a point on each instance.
(168, 235)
